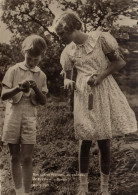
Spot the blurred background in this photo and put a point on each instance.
(24, 17)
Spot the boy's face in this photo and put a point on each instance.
(31, 61)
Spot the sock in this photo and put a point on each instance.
(104, 182)
(84, 181)
(19, 191)
(23, 190)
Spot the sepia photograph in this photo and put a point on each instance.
(68, 97)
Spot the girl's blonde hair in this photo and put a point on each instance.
(68, 21)
(34, 45)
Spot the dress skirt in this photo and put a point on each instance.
(102, 112)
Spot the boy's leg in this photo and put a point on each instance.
(26, 156)
(16, 166)
(84, 148)
(104, 146)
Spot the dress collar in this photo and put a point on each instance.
(88, 45)
(35, 69)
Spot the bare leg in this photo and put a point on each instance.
(104, 146)
(26, 154)
(84, 155)
(16, 165)
(84, 148)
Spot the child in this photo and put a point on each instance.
(101, 111)
(24, 86)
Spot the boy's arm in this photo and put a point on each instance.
(8, 93)
(40, 96)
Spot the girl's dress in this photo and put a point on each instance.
(110, 114)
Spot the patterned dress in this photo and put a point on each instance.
(111, 114)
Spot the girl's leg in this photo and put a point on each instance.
(26, 156)
(16, 167)
(84, 148)
(104, 146)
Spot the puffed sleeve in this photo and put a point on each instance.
(8, 78)
(109, 45)
(65, 60)
(44, 85)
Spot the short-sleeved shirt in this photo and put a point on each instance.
(20, 72)
(110, 114)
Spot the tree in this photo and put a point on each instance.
(24, 17)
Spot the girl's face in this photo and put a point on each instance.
(31, 61)
(65, 36)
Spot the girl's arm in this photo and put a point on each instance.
(68, 83)
(8, 93)
(116, 64)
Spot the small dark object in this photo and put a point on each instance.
(25, 86)
(90, 101)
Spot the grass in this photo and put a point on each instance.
(55, 159)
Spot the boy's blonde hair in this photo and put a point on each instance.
(68, 21)
(34, 45)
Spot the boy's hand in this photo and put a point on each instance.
(24, 86)
(69, 84)
(33, 84)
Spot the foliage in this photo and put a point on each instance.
(5, 58)
(24, 17)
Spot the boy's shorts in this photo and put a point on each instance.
(20, 123)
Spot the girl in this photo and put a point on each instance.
(24, 86)
(101, 111)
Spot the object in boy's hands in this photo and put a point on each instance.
(24, 86)
(31, 83)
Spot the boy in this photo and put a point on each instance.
(24, 86)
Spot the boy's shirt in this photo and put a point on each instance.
(20, 72)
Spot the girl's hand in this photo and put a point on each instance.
(33, 84)
(69, 84)
(24, 86)
(91, 80)
(95, 80)
(98, 79)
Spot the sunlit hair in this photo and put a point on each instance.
(68, 22)
(34, 45)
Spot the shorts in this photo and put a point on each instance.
(20, 122)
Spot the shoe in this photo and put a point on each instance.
(82, 192)
(105, 193)
(83, 189)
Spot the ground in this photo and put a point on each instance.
(55, 159)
